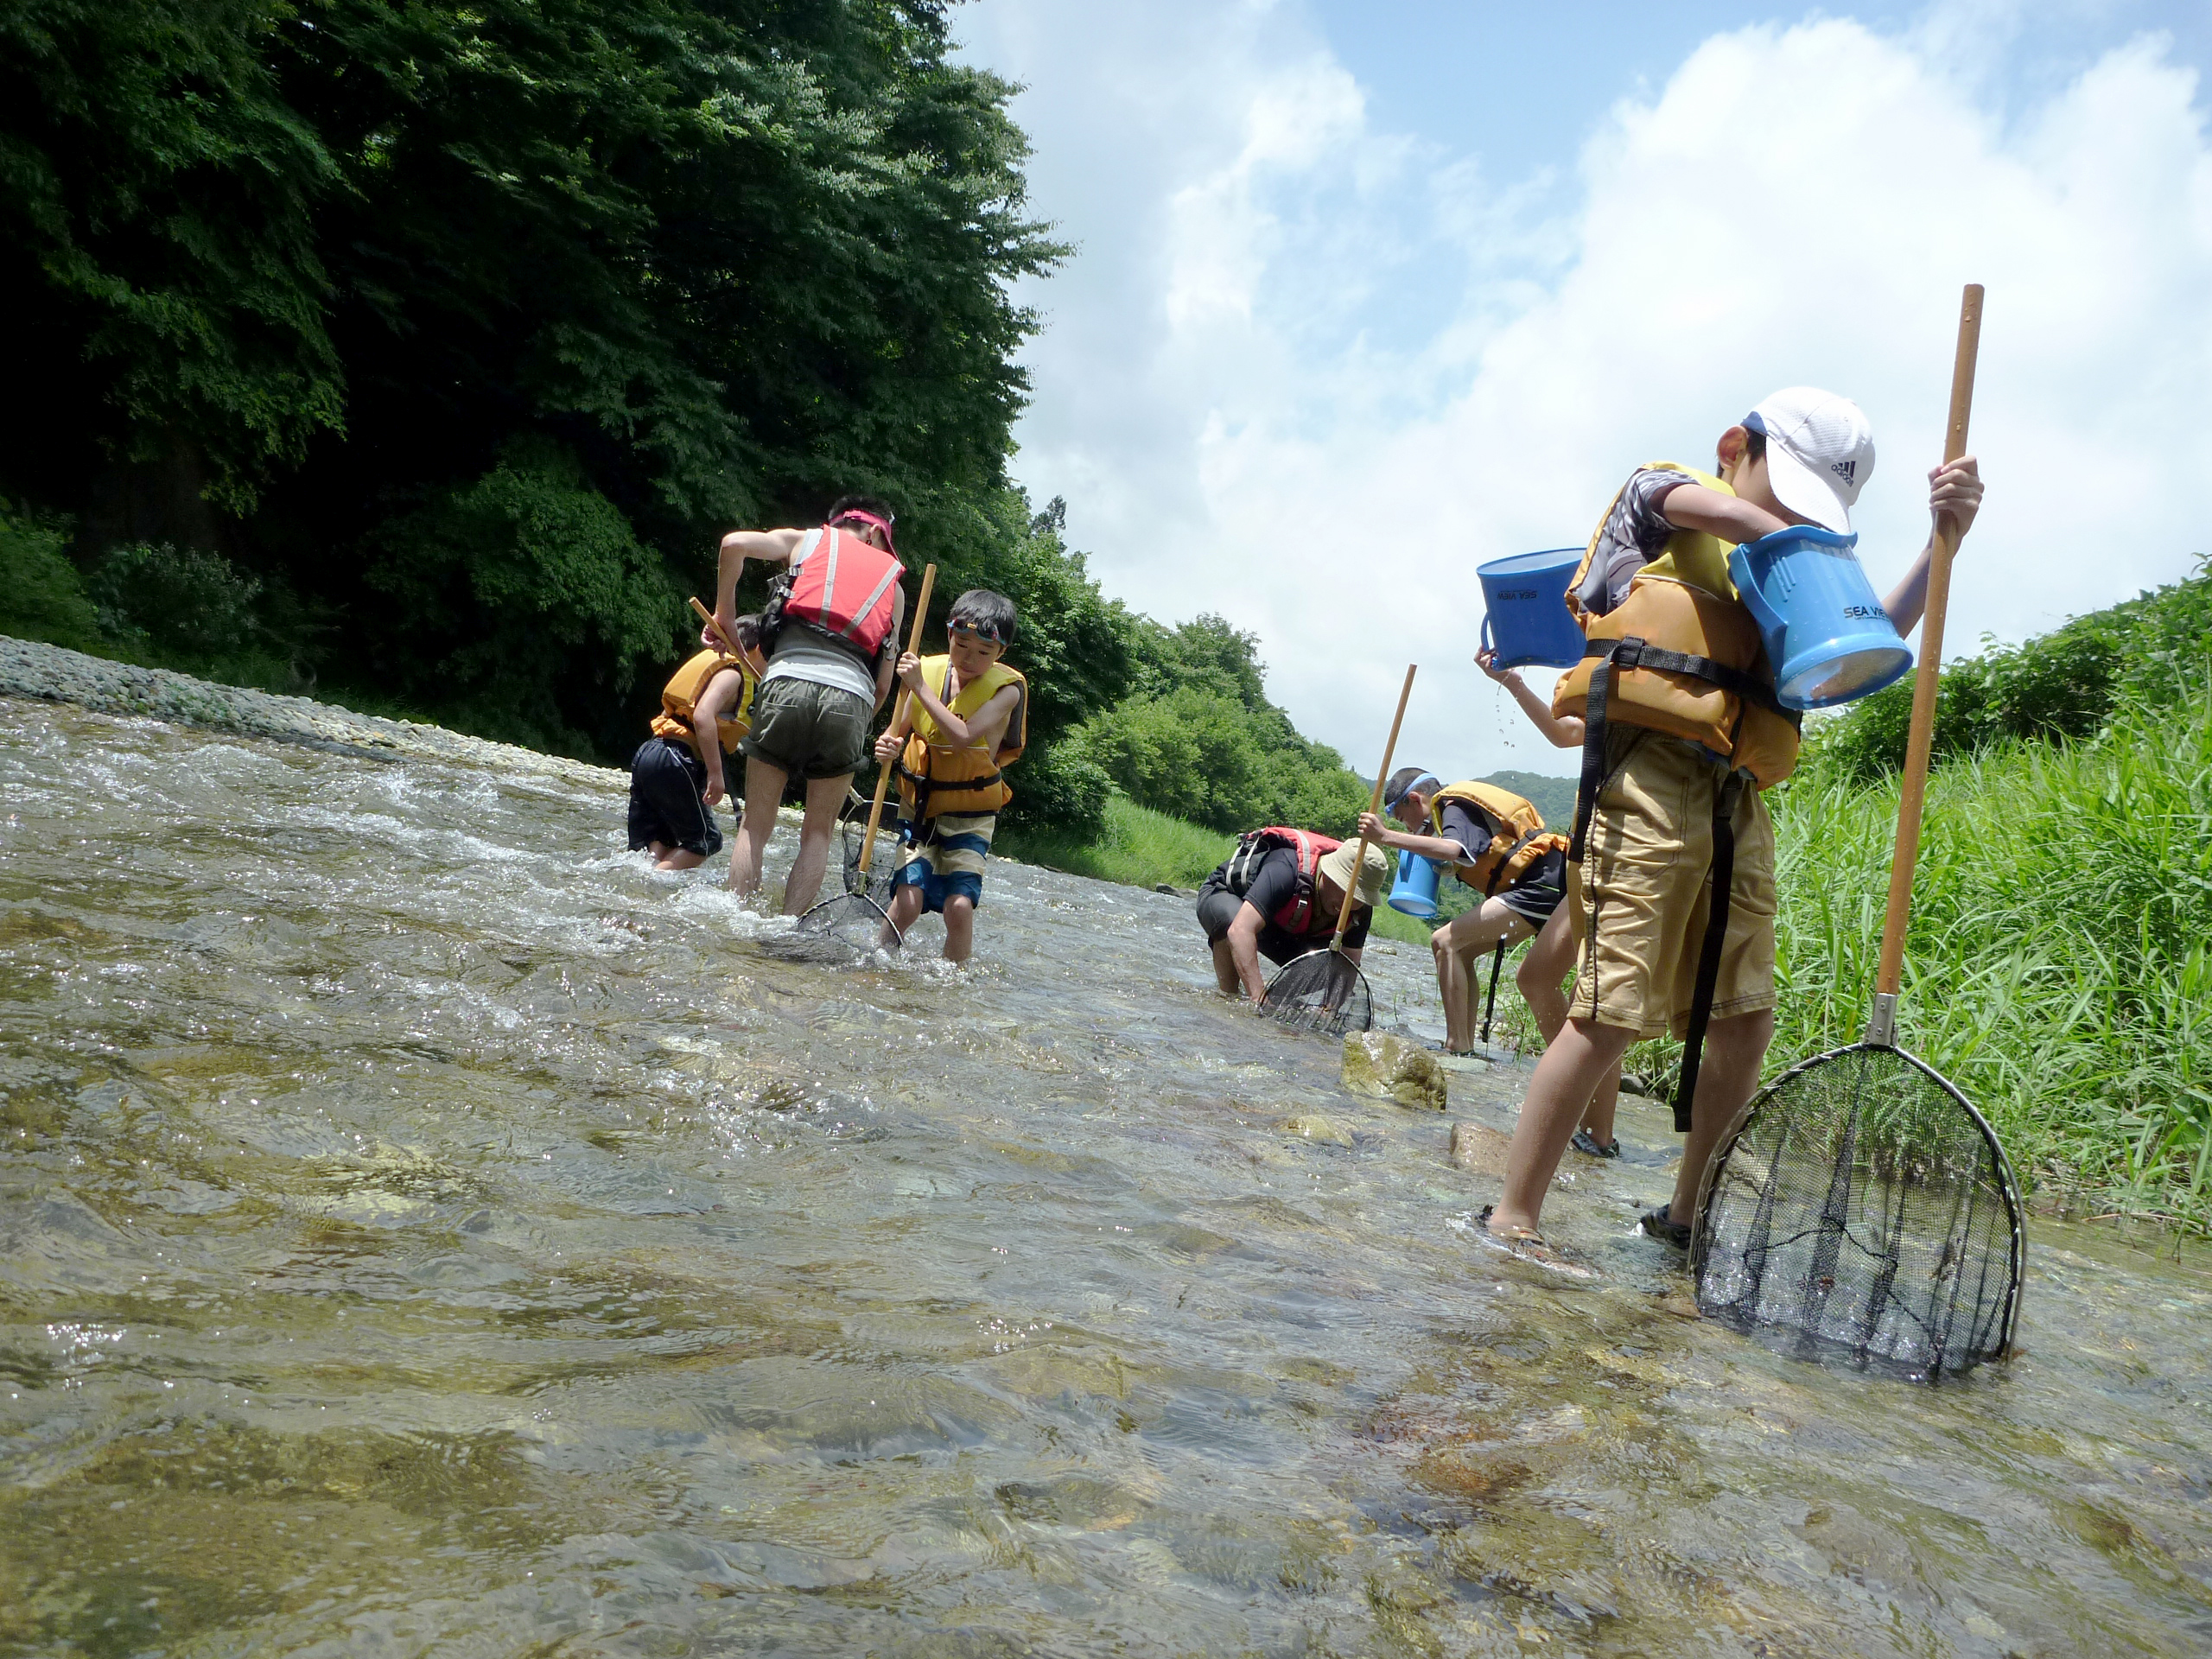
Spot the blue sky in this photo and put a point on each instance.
(1366, 295)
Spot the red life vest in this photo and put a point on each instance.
(843, 588)
(1296, 916)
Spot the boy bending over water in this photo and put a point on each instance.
(676, 777)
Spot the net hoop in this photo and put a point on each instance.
(1702, 1240)
(1281, 1002)
(826, 928)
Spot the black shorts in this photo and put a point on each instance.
(1539, 890)
(667, 786)
(1217, 908)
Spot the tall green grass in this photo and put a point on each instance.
(1140, 847)
(2059, 964)
(2056, 969)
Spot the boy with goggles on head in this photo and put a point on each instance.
(966, 720)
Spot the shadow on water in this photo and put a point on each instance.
(426, 1229)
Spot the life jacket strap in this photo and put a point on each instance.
(1497, 875)
(1633, 652)
(1716, 937)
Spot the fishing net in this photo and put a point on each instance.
(1322, 991)
(890, 853)
(847, 928)
(1863, 1210)
(855, 924)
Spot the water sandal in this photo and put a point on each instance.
(1521, 1247)
(1590, 1146)
(1665, 1228)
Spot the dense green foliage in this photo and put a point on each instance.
(2064, 684)
(1199, 741)
(474, 327)
(419, 354)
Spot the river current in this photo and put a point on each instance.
(424, 1229)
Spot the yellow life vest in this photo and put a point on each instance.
(1519, 841)
(1684, 602)
(682, 694)
(936, 775)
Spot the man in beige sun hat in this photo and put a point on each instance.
(1277, 896)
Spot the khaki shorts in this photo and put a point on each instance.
(806, 730)
(1638, 899)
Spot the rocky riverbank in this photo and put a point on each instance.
(28, 668)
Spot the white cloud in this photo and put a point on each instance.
(1308, 372)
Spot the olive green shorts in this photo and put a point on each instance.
(806, 730)
(1640, 896)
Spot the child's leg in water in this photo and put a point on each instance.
(1538, 978)
(959, 927)
(906, 909)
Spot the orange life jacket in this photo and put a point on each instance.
(682, 694)
(936, 775)
(1518, 843)
(844, 589)
(1684, 608)
(1297, 915)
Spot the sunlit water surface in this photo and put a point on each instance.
(427, 1231)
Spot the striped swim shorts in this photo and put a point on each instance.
(947, 862)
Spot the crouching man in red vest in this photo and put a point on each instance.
(831, 638)
(1277, 896)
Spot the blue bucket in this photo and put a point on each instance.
(1416, 892)
(1526, 620)
(1827, 635)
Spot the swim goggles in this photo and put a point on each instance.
(1427, 780)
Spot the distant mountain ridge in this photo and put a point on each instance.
(1553, 797)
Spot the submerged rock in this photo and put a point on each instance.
(1314, 1126)
(1384, 1067)
(1478, 1148)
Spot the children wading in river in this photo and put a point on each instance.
(1496, 842)
(965, 722)
(676, 778)
(1674, 759)
(830, 631)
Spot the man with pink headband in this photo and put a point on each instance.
(831, 635)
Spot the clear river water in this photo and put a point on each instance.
(425, 1230)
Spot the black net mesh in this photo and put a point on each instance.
(888, 855)
(1323, 991)
(1865, 1211)
(848, 928)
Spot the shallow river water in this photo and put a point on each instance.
(425, 1230)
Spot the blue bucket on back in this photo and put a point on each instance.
(1827, 635)
(1416, 892)
(1526, 621)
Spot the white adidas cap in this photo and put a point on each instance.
(1819, 452)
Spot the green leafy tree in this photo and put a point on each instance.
(159, 259)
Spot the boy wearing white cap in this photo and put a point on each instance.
(1681, 731)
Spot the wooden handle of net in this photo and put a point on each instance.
(1913, 795)
(708, 617)
(1374, 805)
(898, 717)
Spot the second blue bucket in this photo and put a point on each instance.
(1526, 620)
(1416, 892)
(1827, 635)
